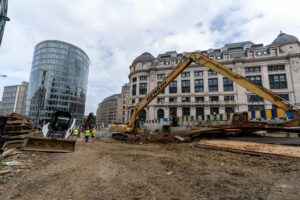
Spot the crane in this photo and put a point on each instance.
(205, 61)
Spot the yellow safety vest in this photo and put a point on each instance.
(87, 132)
(75, 132)
(94, 132)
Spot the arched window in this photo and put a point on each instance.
(142, 115)
(160, 114)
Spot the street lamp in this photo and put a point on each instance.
(2, 17)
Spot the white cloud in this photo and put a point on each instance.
(114, 33)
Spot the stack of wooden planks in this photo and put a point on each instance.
(15, 131)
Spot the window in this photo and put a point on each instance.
(214, 110)
(173, 87)
(229, 98)
(134, 80)
(173, 111)
(160, 76)
(160, 114)
(132, 100)
(185, 111)
(199, 111)
(278, 81)
(185, 74)
(185, 86)
(214, 98)
(143, 78)
(199, 86)
(173, 99)
(273, 68)
(254, 98)
(212, 73)
(227, 85)
(229, 109)
(255, 107)
(274, 52)
(252, 69)
(213, 84)
(186, 99)
(133, 90)
(160, 100)
(255, 79)
(143, 88)
(166, 61)
(285, 96)
(198, 73)
(199, 99)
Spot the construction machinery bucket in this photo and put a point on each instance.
(56, 145)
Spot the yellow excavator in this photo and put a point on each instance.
(238, 119)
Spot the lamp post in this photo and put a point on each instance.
(2, 17)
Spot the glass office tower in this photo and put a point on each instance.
(58, 81)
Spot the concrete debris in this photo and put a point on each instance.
(181, 139)
(170, 173)
(3, 172)
(9, 152)
(12, 163)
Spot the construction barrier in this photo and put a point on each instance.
(257, 115)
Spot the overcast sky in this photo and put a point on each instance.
(114, 32)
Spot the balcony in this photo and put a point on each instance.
(199, 103)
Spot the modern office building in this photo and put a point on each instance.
(58, 80)
(107, 111)
(14, 98)
(3, 17)
(198, 90)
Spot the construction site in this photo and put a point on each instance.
(236, 158)
(220, 119)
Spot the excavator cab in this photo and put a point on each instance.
(239, 119)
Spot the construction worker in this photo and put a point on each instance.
(87, 134)
(75, 133)
(94, 132)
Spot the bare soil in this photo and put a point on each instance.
(109, 169)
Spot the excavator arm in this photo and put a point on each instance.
(217, 67)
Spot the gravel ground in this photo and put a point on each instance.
(107, 169)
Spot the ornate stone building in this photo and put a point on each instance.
(198, 90)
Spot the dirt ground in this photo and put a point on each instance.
(108, 169)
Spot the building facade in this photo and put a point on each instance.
(58, 80)
(107, 111)
(14, 98)
(124, 103)
(200, 91)
(3, 17)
